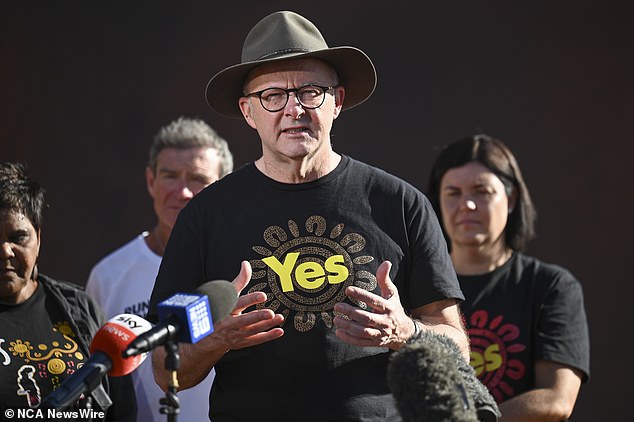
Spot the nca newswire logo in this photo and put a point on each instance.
(62, 415)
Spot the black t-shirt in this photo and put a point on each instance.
(307, 243)
(39, 350)
(519, 313)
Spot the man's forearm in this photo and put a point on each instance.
(456, 334)
(196, 360)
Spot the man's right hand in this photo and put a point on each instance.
(235, 331)
(238, 329)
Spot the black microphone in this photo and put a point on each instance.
(431, 381)
(106, 347)
(187, 317)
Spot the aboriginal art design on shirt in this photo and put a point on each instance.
(306, 270)
(6, 359)
(46, 362)
(28, 386)
(493, 346)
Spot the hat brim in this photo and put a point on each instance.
(354, 68)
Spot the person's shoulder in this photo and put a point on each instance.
(231, 185)
(231, 180)
(72, 296)
(112, 268)
(61, 285)
(355, 165)
(377, 176)
(546, 271)
(123, 254)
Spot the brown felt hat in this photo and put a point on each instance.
(284, 35)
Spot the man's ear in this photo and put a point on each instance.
(245, 108)
(149, 181)
(340, 94)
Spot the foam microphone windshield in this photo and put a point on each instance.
(187, 317)
(222, 297)
(431, 381)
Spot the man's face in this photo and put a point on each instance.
(180, 174)
(293, 133)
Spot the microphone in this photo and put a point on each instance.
(431, 381)
(187, 317)
(105, 358)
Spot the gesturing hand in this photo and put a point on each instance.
(239, 329)
(384, 324)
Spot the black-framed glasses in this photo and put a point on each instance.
(310, 96)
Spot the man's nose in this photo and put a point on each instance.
(185, 189)
(293, 107)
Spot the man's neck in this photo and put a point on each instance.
(298, 171)
(156, 240)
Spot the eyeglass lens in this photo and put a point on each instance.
(309, 96)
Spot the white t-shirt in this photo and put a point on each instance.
(122, 282)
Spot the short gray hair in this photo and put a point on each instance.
(185, 133)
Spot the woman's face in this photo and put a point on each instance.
(474, 206)
(19, 248)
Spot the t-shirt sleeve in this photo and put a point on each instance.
(562, 333)
(432, 275)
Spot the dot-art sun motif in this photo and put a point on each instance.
(20, 349)
(308, 273)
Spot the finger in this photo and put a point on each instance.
(355, 329)
(359, 317)
(264, 323)
(348, 327)
(375, 302)
(247, 300)
(388, 289)
(260, 338)
(243, 278)
(253, 328)
(355, 340)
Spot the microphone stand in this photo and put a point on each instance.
(170, 403)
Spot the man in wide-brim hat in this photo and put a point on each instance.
(317, 237)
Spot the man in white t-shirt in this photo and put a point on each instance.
(186, 156)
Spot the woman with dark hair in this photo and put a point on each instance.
(525, 318)
(46, 325)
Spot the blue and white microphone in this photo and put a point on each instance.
(187, 317)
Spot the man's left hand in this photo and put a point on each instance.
(384, 324)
